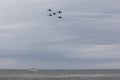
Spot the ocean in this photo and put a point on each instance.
(105, 74)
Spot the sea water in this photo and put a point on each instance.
(105, 74)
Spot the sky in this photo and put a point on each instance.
(86, 38)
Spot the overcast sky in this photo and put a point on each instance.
(88, 36)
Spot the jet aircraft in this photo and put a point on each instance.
(54, 13)
(59, 12)
(50, 15)
(50, 10)
(60, 17)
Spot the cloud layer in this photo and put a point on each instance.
(86, 38)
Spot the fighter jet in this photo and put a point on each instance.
(59, 12)
(50, 15)
(60, 17)
(50, 10)
(54, 13)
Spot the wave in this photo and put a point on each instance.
(59, 76)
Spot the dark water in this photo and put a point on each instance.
(60, 75)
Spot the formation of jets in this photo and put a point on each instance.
(55, 13)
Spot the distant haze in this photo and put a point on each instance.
(88, 36)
